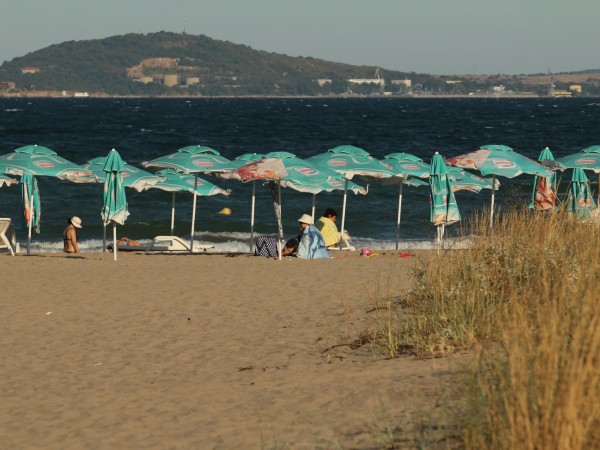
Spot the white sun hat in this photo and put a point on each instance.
(306, 219)
(76, 221)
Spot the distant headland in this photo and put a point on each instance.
(168, 64)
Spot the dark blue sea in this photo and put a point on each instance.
(143, 129)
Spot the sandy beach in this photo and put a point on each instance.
(208, 351)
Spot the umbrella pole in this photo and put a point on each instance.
(194, 213)
(399, 214)
(114, 241)
(343, 213)
(279, 219)
(492, 205)
(103, 237)
(252, 215)
(31, 212)
(173, 215)
(314, 206)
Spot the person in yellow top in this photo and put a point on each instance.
(326, 225)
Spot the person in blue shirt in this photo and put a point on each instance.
(309, 244)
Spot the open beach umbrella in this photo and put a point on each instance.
(194, 159)
(36, 160)
(173, 181)
(244, 159)
(444, 210)
(544, 192)
(498, 160)
(579, 198)
(351, 161)
(114, 208)
(466, 181)
(266, 169)
(587, 159)
(406, 169)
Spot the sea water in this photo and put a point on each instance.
(143, 129)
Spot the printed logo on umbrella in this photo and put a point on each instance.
(191, 182)
(44, 164)
(387, 166)
(586, 161)
(503, 163)
(125, 174)
(409, 166)
(337, 162)
(305, 170)
(203, 163)
(335, 183)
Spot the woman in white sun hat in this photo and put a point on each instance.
(309, 243)
(70, 235)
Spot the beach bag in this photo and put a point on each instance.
(266, 246)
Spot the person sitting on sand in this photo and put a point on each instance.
(326, 225)
(70, 235)
(309, 244)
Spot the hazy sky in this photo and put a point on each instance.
(427, 36)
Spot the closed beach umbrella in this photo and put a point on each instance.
(114, 208)
(351, 161)
(587, 159)
(579, 198)
(31, 204)
(173, 181)
(37, 160)
(444, 210)
(544, 196)
(498, 160)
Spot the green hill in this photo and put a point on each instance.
(138, 64)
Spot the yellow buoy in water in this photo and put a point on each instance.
(225, 211)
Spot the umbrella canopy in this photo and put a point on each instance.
(579, 199)
(39, 160)
(498, 160)
(193, 159)
(7, 181)
(587, 159)
(544, 192)
(133, 177)
(466, 181)
(444, 209)
(114, 208)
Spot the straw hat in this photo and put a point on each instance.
(76, 221)
(306, 219)
(225, 211)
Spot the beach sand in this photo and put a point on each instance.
(208, 351)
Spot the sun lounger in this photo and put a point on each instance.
(175, 244)
(8, 239)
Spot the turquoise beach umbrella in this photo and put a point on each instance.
(544, 196)
(351, 161)
(7, 181)
(466, 181)
(173, 181)
(31, 193)
(444, 210)
(587, 159)
(498, 160)
(114, 208)
(579, 199)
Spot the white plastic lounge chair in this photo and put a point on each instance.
(8, 237)
(346, 245)
(175, 244)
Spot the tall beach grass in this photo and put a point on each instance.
(525, 298)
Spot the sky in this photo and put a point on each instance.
(442, 37)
